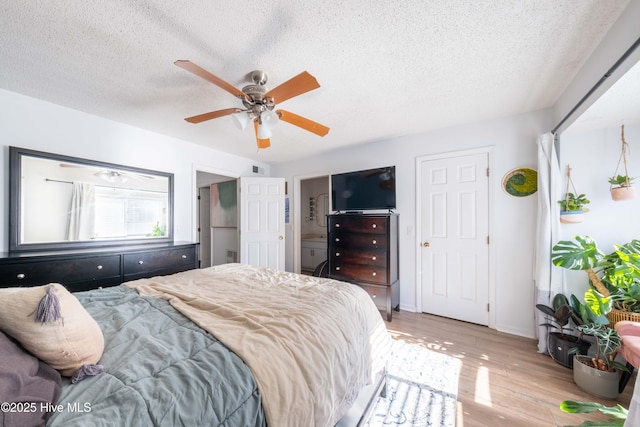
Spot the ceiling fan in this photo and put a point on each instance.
(259, 104)
(109, 175)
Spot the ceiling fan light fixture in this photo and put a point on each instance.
(269, 118)
(264, 131)
(241, 119)
(112, 177)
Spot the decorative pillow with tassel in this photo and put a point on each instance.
(52, 325)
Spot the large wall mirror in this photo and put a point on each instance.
(61, 202)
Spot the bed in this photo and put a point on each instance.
(232, 345)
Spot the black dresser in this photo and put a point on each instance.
(363, 249)
(84, 269)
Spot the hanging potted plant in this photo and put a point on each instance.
(572, 208)
(621, 188)
(620, 185)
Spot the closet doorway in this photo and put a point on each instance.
(218, 245)
(313, 205)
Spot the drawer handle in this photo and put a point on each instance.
(337, 225)
(374, 258)
(374, 274)
(374, 225)
(373, 295)
(375, 241)
(337, 253)
(337, 239)
(21, 276)
(184, 257)
(337, 268)
(99, 267)
(141, 262)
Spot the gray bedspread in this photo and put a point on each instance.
(160, 370)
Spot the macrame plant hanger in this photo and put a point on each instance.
(569, 183)
(567, 216)
(623, 190)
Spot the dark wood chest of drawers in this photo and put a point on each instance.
(81, 270)
(363, 249)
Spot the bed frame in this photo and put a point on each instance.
(359, 412)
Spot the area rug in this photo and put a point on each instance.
(422, 388)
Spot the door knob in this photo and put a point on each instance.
(280, 237)
(425, 244)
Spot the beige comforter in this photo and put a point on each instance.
(310, 342)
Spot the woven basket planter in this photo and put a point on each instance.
(617, 315)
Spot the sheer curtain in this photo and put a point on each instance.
(82, 212)
(548, 280)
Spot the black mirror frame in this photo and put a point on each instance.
(15, 210)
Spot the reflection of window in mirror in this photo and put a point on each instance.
(122, 214)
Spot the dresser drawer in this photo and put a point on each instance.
(358, 242)
(378, 294)
(358, 224)
(358, 272)
(164, 261)
(372, 257)
(103, 269)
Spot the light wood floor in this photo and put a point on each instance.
(504, 381)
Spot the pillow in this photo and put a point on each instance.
(52, 325)
(26, 382)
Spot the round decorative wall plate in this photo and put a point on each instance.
(520, 182)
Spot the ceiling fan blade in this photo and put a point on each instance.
(212, 115)
(201, 72)
(262, 143)
(302, 83)
(303, 122)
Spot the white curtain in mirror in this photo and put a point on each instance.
(82, 212)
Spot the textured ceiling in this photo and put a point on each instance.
(386, 68)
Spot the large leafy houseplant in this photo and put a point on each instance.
(618, 413)
(602, 270)
(615, 275)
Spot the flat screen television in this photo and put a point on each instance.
(371, 189)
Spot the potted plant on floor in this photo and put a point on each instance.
(572, 208)
(599, 375)
(561, 345)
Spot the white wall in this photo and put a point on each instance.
(513, 219)
(30, 123)
(593, 156)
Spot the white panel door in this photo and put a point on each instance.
(454, 215)
(262, 221)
